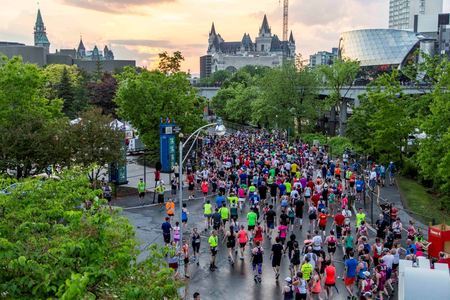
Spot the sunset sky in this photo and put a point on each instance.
(139, 29)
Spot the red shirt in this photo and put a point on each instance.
(330, 273)
(339, 219)
(394, 213)
(315, 199)
(310, 184)
(322, 219)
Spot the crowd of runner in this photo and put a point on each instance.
(266, 188)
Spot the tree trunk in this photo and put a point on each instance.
(343, 117)
(332, 121)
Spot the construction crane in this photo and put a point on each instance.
(285, 19)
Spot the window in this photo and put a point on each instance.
(262, 48)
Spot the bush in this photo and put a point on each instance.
(409, 168)
(338, 144)
(310, 137)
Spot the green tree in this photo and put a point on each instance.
(170, 64)
(339, 78)
(381, 125)
(101, 94)
(143, 98)
(26, 117)
(71, 246)
(433, 156)
(93, 141)
(65, 91)
(238, 109)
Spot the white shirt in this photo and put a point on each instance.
(317, 242)
(388, 259)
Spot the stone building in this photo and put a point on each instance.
(266, 50)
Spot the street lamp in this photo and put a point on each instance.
(219, 130)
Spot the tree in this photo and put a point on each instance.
(238, 108)
(66, 93)
(143, 98)
(433, 156)
(26, 117)
(339, 77)
(59, 241)
(289, 94)
(381, 125)
(94, 142)
(170, 64)
(102, 93)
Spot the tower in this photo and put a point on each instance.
(291, 45)
(81, 51)
(40, 35)
(264, 40)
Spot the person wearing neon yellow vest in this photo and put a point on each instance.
(213, 243)
(207, 212)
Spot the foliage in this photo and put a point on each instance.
(338, 76)
(216, 78)
(26, 117)
(102, 92)
(93, 141)
(433, 156)
(143, 98)
(35, 134)
(289, 95)
(238, 108)
(58, 241)
(170, 64)
(381, 125)
(339, 144)
(309, 138)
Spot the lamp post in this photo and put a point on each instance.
(220, 130)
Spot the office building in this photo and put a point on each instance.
(323, 58)
(205, 66)
(403, 12)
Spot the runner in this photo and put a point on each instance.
(243, 239)
(185, 251)
(257, 261)
(207, 212)
(141, 190)
(277, 252)
(213, 243)
(350, 273)
(166, 229)
(170, 208)
(230, 238)
(330, 278)
(184, 216)
(195, 242)
(251, 223)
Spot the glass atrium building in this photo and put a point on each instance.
(382, 49)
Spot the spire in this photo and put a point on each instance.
(81, 45)
(265, 26)
(213, 30)
(291, 38)
(40, 34)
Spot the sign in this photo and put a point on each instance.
(167, 145)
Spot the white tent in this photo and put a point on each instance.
(422, 282)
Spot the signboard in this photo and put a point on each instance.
(117, 172)
(167, 145)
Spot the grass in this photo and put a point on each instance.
(420, 201)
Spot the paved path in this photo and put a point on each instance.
(227, 282)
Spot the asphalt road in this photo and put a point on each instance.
(227, 282)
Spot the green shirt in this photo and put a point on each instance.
(360, 217)
(233, 199)
(307, 271)
(349, 242)
(224, 213)
(331, 198)
(288, 187)
(251, 218)
(141, 186)
(207, 209)
(213, 241)
(272, 172)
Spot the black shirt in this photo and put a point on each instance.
(299, 206)
(217, 218)
(166, 227)
(284, 217)
(262, 191)
(270, 216)
(277, 250)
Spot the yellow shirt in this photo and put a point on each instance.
(213, 241)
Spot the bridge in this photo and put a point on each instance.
(351, 93)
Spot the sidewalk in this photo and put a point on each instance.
(389, 194)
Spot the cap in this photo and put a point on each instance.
(288, 279)
(366, 273)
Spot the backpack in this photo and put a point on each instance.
(291, 213)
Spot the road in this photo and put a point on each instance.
(227, 282)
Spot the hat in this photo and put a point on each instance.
(288, 279)
(366, 273)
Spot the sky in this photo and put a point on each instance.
(140, 29)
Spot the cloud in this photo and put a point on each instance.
(114, 6)
(155, 44)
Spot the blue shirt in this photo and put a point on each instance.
(351, 265)
(282, 188)
(359, 185)
(219, 200)
(166, 227)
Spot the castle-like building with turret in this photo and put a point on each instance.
(267, 50)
